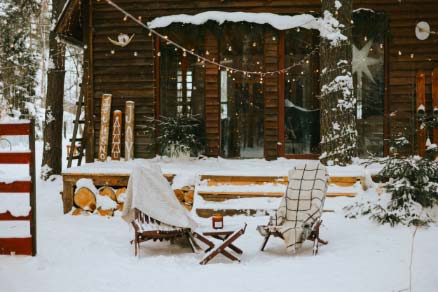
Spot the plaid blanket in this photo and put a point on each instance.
(301, 206)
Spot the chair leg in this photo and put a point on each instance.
(315, 246)
(265, 241)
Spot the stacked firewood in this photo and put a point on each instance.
(185, 196)
(103, 201)
(106, 200)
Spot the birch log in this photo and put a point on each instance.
(129, 130)
(117, 135)
(104, 127)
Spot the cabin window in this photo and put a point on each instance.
(242, 104)
(369, 79)
(301, 85)
(181, 78)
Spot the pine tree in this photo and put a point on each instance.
(18, 56)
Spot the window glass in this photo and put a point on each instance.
(301, 99)
(369, 79)
(241, 46)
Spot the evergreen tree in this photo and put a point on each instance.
(18, 56)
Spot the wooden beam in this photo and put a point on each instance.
(9, 217)
(16, 187)
(19, 246)
(420, 101)
(15, 158)
(14, 129)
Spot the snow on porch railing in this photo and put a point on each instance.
(13, 187)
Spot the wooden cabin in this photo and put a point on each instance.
(245, 117)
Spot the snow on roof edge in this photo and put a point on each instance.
(328, 26)
(280, 22)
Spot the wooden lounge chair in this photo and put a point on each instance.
(299, 216)
(147, 228)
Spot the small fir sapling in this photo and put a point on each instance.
(411, 182)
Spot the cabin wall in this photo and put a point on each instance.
(130, 77)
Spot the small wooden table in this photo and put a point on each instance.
(227, 236)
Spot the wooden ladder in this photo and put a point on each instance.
(71, 155)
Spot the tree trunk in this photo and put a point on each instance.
(52, 154)
(338, 104)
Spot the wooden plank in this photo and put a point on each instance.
(229, 178)
(242, 194)
(421, 103)
(16, 187)
(333, 195)
(13, 129)
(19, 246)
(9, 217)
(15, 158)
(104, 127)
(207, 213)
(222, 196)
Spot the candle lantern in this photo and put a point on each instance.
(218, 221)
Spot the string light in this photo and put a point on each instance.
(207, 53)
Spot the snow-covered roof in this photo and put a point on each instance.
(327, 25)
(280, 22)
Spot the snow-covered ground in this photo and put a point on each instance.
(92, 253)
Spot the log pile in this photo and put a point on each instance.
(103, 201)
(106, 200)
(185, 196)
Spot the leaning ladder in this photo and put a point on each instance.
(74, 139)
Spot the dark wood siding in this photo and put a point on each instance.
(271, 96)
(212, 97)
(132, 78)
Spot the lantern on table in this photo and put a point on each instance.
(217, 221)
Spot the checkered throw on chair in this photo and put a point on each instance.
(302, 205)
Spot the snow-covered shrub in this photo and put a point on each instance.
(412, 186)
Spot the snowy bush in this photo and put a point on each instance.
(412, 186)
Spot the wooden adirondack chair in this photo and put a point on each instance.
(147, 228)
(299, 216)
